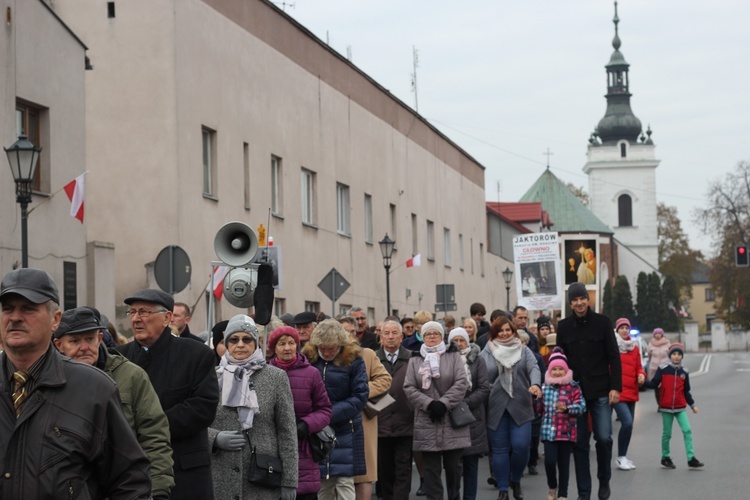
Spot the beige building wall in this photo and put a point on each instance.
(701, 306)
(43, 65)
(266, 86)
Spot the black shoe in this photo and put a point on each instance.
(517, 493)
(694, 463)
(420, 491)
(583, 497)
(666, 463)
(604, 490)
(503, 495)
(491, 481)
(533, 471)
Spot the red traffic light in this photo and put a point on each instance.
(741, 257)
(741, 250)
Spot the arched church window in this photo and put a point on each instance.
(623, 150)
(625, 210)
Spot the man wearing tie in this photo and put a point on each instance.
(396, 422)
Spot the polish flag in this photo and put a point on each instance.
(414, 261)
(74, 190)
(220, 273)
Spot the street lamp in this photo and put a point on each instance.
(386, 248)
(23, 157)
(507, 276)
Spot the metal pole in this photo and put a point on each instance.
(24, 234)
(507, 299)
(388, 287)
(333, 293)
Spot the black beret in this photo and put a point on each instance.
(304, 318)
(153, 296)
(78, 320)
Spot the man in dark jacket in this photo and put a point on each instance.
(588, 340)
(364, 335)
(182, 373)
(181, 320)
(62, 428)
(396, 422)
(79, 337)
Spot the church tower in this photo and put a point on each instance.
(622, 173)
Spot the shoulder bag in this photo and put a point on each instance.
(264, 470)
(461, 415)
(377, 404)
(322, 443)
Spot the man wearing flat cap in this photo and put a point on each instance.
(62, 427)
(588, 340)
(79, 337)
(305, 323)
(182, 373)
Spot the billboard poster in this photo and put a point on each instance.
(537, 263)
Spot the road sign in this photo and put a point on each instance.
(172, 269)
(333, 285)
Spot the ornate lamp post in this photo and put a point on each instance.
(507, 276)
(23, 157)
(386, 248)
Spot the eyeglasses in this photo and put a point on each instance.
(431, 334)
(142, 312)
(236, 340)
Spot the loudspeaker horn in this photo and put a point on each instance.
(239, 286)
(235, 244)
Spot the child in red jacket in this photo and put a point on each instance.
(633, 376)
(674, 395)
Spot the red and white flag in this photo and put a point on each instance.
(74, 190)
(414, 261)
(220, 273)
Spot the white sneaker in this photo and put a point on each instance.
(630, 463)
(624, 464)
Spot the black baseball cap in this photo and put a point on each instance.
(33, 284)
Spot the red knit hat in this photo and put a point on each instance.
(676, 347)
(280, 332)
(620, 322)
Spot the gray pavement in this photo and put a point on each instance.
(720, 436)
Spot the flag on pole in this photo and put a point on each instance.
(220, 273)
(414, 261)
(75, 192)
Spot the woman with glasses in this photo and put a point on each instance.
(435, 384)
(256, 411)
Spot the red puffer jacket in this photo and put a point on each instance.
(674, 392)
(631, 368)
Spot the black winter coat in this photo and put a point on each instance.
(591, 348)
(183, 374)
(475, 398)
(398, 419)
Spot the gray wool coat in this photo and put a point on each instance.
(440, 436)
(476, 398)
(525, 374)
(274, 432)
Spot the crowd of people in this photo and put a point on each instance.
(314, 407)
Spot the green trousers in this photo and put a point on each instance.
(666, 435)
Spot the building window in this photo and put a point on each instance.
(111, 10)
(308, 197)
(414, 239)
(276, 186)
(481, 259)
(430, 240)
(343, 210)
(312, 306)
(344, 308)
(209, 162)
(710, 295)
(392, 213)
(371, 316)
(623, 150)
(447, 247)
(461, 252)
(246, 172)
(28, 121)
(368, 218)
(625, 210)
(471, 253)
(279, 306)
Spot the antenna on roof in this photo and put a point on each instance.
(349, 53)
(284, 5)
(548, 154)
(415, 55)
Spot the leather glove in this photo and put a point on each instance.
(288, 493)
(436, 409)
(230, 441)
(301, 430)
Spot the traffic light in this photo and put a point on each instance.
(741, 257)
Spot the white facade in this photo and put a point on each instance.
(172, 77)
(626, 170)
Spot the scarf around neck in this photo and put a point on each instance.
(564, 380)
(464, 355)
(507, 353)
(430, 367)
(659, 342)
(236, 385)
(625, 345)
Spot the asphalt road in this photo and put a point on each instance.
(721, 438)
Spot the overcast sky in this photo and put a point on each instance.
(505, 80)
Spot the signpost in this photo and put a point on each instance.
(172, 269)
(333, 285)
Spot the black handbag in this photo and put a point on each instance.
(264, 470)
(322, 443)
(461, 415)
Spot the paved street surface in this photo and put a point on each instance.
(721, 439)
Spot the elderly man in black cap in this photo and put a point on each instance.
(80, 338)
(305, 322)
(182, 373)
(589, 343)
(62, 427)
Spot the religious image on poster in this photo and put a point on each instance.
(537, 261)
(580, 262)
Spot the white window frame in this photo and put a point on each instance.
(308, 197)
(208, 148)
(368, 218)
(461, 261)
(343, 210)
(430, 240)
(277, 192)
(447, 247)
